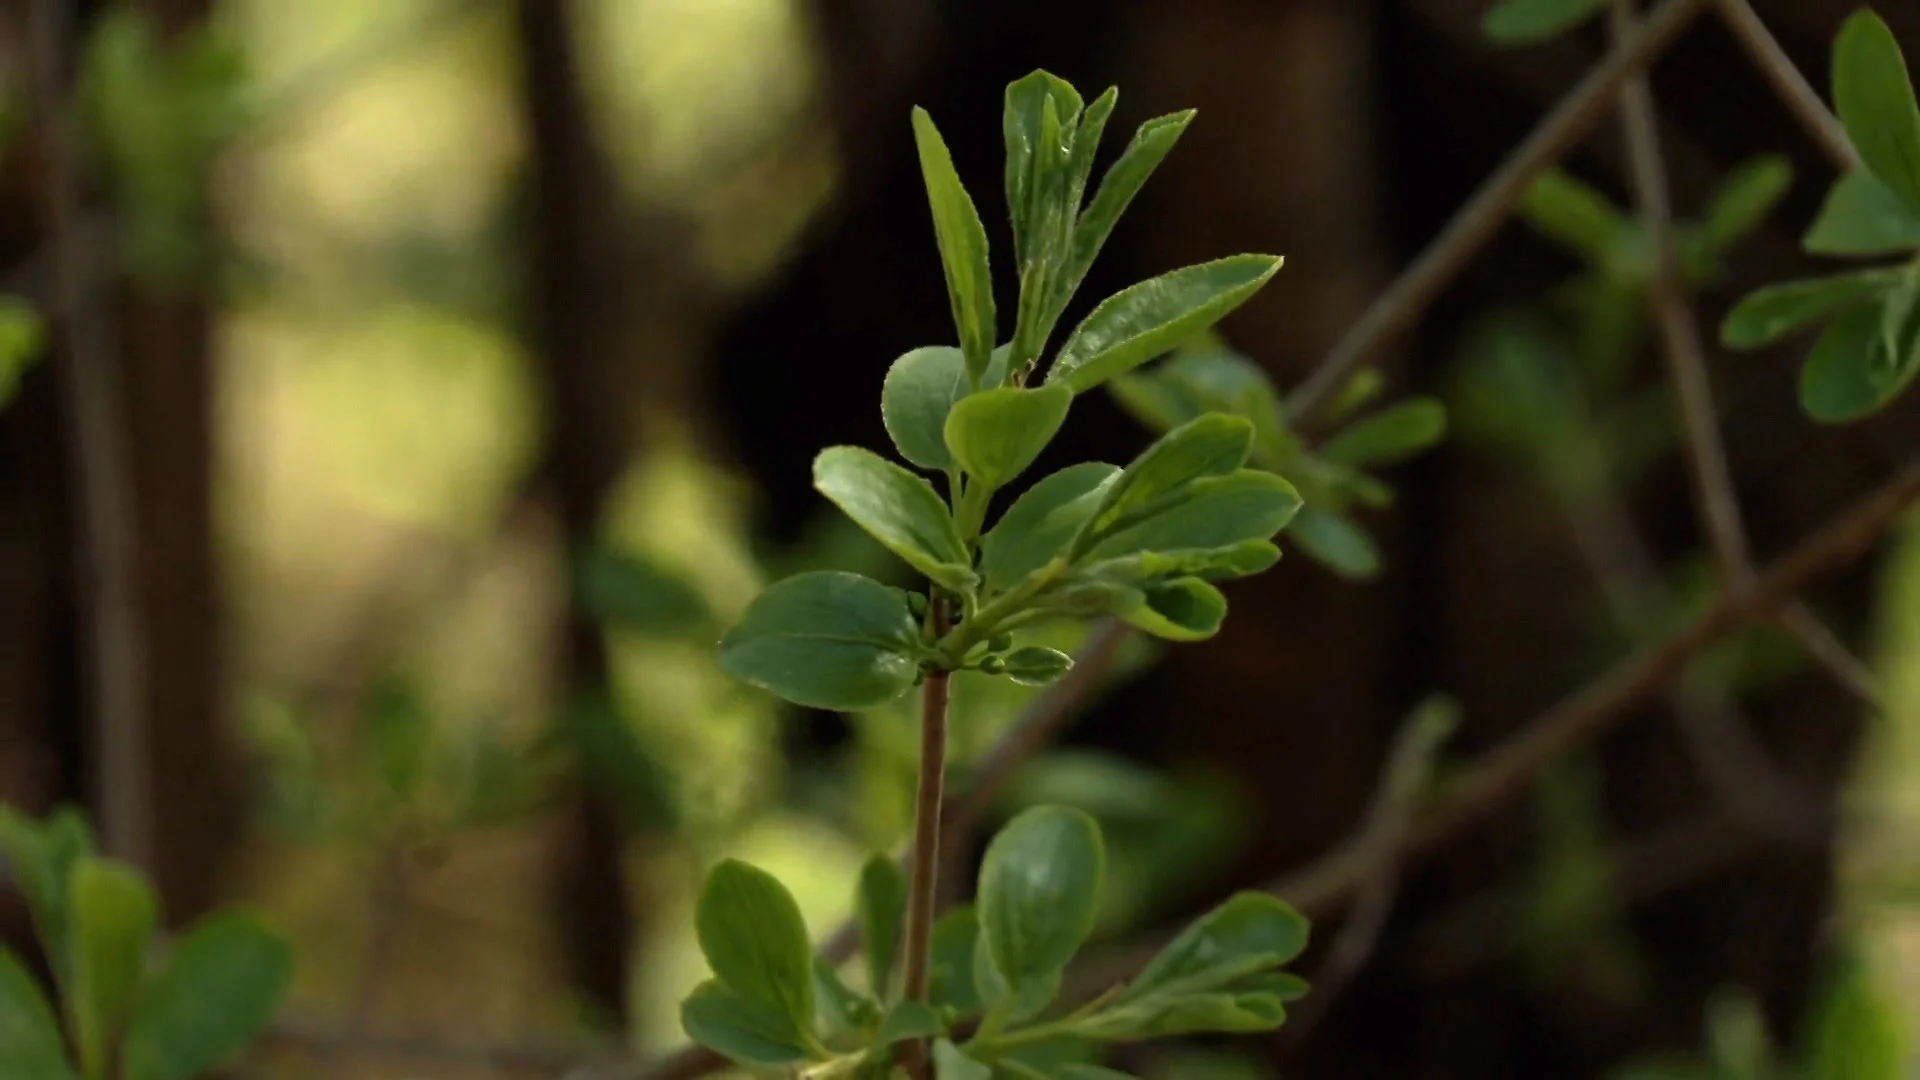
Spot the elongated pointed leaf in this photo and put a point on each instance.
(1862, 216)
(1744, 199)
(880, 910)
(1231, 1012)
(222, 984)
(1568, 210)
(1086, 143)
(1042, 522)
(1524, 22)
(1769, 314)
(1213, 445)
(1849, 374)
(1212, 513)
(1874, 99)
(754, 939)
(920, 390)
(1039, 890)
(113, 913)
(997, 433)
(1335, 542)
(1139, 323)
(1049, 233)
(899, 509)
(825, 639)
(1022, 124)
(30, 1043)
(1149, 147)
(963, 245)
(1185, 609)
(1393, 434)
(741, 1029)
(1247, 933)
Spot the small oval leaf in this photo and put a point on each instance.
(113, 913)
(741, 1029)
(754, 939)
(997, 433)
(1185, 609)
(222, 984)
(826, 640)
(1862, 216)
(1034, 665)
(1846, 376)
(1039, 891)
(1042, 521)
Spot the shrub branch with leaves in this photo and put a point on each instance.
(1145, 544)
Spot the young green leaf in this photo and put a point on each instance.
(42, 857)
(963, 246)
(1208, 564)
(899, 509)
(826, 640)
(1023, 123)
(1848, 374)
(909, 1020)
(1034, 665)
(1743, 200)
(1212, 513)
(1769, 314)
(1390, 435)
(1862, 216)
(1874, 99)
(1524, 22)
(1039, 891)
(842, 1011)
(1213, 445)
(1139, 323)
(113, 913)
(1149, 147)
(1567, 210)
(951, 1063)
(222, 984)
(879, 909)
(1086, 143)
(1230, 1012)
(744, 1030)
(920, 390)
(1335, 542)
(997, 433)
(1248, 933)
(754, 939)
(1042, 521)
(1184, 609)
(30, 1043)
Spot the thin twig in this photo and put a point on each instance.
(1403, 780)
(1784, 76)
(1680, 338)
(106, 545)
(1333, 880)
(1402, 304)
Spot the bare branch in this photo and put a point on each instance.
(1401, 306)
(116, 664)
(1403, 780)
(1795, 92)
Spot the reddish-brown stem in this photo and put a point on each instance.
(923, 878)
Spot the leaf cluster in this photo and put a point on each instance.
(996, 969)
(1869, 349)
(1145, 543)
(128, 1012)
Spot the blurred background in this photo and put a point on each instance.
(470, 357)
